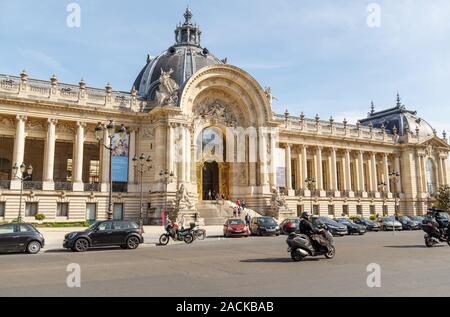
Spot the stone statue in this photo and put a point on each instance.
(217, 111)
(182, 200)
(269, 95)
(167, 93)
(278, 201)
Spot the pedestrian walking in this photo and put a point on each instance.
(234, 212)
(239, 212)
(248, 219)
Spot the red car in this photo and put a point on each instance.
(235, 228)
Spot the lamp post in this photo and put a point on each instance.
(310, 183)
(99, 134)
(394, 176)
(382, 188)
(142, 165)
(167, 178)
(22, 168)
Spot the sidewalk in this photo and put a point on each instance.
(54, 236)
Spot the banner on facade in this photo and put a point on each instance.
(280, 167)
(120, 158)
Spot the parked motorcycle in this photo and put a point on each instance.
(301, 246)
(199, 234)
(172, 231)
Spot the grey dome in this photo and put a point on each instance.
(399, 118)
(185, 58)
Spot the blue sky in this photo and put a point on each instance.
(318, 56)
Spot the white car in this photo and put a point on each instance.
(388, 224)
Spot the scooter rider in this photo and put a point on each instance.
(306, 227)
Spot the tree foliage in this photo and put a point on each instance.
(443, 198)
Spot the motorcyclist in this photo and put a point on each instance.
(308, 229)
(442, 221)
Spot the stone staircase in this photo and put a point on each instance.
(215, 214)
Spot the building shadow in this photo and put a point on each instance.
(417, 246)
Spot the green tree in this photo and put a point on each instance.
(443, 198)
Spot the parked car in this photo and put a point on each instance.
(335, 228)
(418, 219)
(290, 225)
(352, 227)
(125, 234)
(20, 237)
(408, 224)
(235, 228)
(369, 224)
(388, 223)
(264, 226)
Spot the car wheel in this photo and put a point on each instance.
(201, 235)
(81, 245)
(33, 247)
(296, 256)
(331, 253)
(384, 228)
(164, 239)
(133, 243)
(258, 232)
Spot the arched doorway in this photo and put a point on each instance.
(210, 180)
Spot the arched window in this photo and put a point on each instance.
(429, 168)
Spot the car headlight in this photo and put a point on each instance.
(71, 235)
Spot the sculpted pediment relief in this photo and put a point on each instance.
(34, 125)
(65, 128)
(217, 111)
(7, 123)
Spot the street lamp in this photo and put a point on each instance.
(167, 178)
(22, 168)
(142, 165)
(394, 176)
(310, 185)
(99, 134)
(382, 188)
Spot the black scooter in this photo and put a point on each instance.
(301, 246)
(434, 234)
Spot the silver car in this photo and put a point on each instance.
(389, 224)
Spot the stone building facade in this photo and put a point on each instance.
(212, 125)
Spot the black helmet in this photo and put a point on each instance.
(305, 215)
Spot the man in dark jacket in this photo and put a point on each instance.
(307, 228)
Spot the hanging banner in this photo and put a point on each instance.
(120, 158)
(280, 164)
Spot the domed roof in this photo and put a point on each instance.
(399, 119)
(185, 58)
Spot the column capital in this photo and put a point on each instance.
(52, 121)
(21, 117)
(81, 124)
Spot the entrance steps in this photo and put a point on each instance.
(216, 213)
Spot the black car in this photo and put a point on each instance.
(264, 226)
(352, 227)
(20, 237)
(418, 219)
(290, 225)
(369, 224)
(408, 224)
(125, 234)
(335, 228)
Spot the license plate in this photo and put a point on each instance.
(270, 230)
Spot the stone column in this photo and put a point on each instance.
(77, 166)
(347, 172)
(252, 156)
(362, 186)
(373, 173)
(188, 154)
(304, 166)
(49, 155)
(131, 155)
(319, 180)
(273, 167)
(419, 171)
(445, 166)
(19, 149)
(105, 157)
(288, 167)
(263, 158)
(386, 172)
(181, 155)
(397, 170)
(333, 168)
(169, 151)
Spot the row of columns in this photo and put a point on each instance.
(78, 154)
(360, 181)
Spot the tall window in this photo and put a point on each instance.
(31, 209)
(62, 209)
(2, 210)
(330, 210)
(430, 176)
(359, 210)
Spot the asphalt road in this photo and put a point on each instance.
(235, 268)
